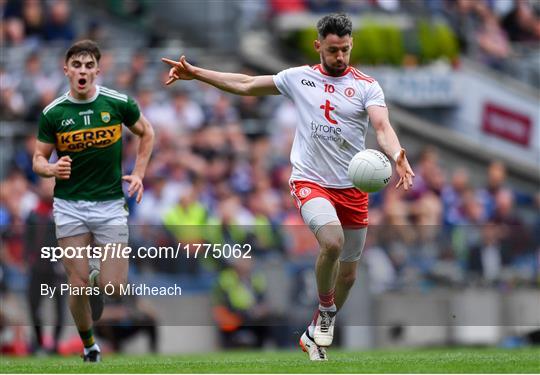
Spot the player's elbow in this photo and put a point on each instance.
(149, 133)
(381, 125)
(247, 87)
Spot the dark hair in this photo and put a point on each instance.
(336, 23)
(84, 47)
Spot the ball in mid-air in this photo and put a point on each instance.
(370, 170)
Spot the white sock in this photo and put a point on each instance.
(332, 308)
(311, 327)
(93, 347)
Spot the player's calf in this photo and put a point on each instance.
(96, 300)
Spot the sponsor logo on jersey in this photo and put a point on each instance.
(349, 92)
(309, 83)
(304, 192)
(327, 107)
(67, 122)
(325, 132)
(105, 117)
(87, 112)
(80, 140)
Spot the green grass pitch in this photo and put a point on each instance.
(455, 360)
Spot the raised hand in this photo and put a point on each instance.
(179, 70)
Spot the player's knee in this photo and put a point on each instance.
(331, 246)
(347, 280)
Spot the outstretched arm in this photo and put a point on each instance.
(389, 142)
(239, 84)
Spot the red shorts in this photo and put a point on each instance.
(350, 203)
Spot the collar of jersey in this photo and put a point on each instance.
(83, 101)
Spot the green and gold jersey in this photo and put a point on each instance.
(90, 132)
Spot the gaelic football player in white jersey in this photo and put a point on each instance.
(334, 102)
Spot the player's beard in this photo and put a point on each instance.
(334, 72)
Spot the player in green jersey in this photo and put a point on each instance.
(84, 126)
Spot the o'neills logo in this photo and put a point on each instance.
(80, 140)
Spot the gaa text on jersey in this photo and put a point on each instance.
(306, 82)
(68, 122)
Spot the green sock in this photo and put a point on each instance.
(87, 338)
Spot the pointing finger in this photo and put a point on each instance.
(171, 62)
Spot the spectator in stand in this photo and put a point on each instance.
(429, 176)
(521, 24)
(222, 112)
(44, 98)
(486, 261)
(241, 309)
(496, 180)
(160, 114)
(157, 201)
(514, 236)
(138, 67)
(494, 45)
(35, 83)
(12, 104)
(13, 31)
(59, 27)
(34, 20)
(188, 113)
(452, 196)
(96, 32)
(460, 15)
(23, 159)
(465, 234)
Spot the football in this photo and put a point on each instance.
(370, 170)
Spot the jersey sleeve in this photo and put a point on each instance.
(46, 131)
(374, 96)
(283, 82)
(130, 112)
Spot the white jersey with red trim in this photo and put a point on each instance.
(333, 120)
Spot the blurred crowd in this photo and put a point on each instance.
(493, 32)
(34, 21)
(222, 161)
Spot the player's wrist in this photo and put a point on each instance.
(396, 155)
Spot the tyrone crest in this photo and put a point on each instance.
(304, 192)
(105, 117)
